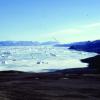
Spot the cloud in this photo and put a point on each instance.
(93, 25)
(66, 31)
(78, 30)
(81, 33)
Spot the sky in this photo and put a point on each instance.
(49, 20)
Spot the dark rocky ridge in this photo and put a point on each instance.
(94, 62)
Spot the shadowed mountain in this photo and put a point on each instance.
(89, 46)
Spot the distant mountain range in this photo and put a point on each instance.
(26, 43)
(89, 46)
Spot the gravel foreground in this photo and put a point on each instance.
(32, 86)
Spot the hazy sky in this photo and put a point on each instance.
(45, 20)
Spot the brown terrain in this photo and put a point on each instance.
(16, 85)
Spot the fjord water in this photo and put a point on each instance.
(40, 58)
